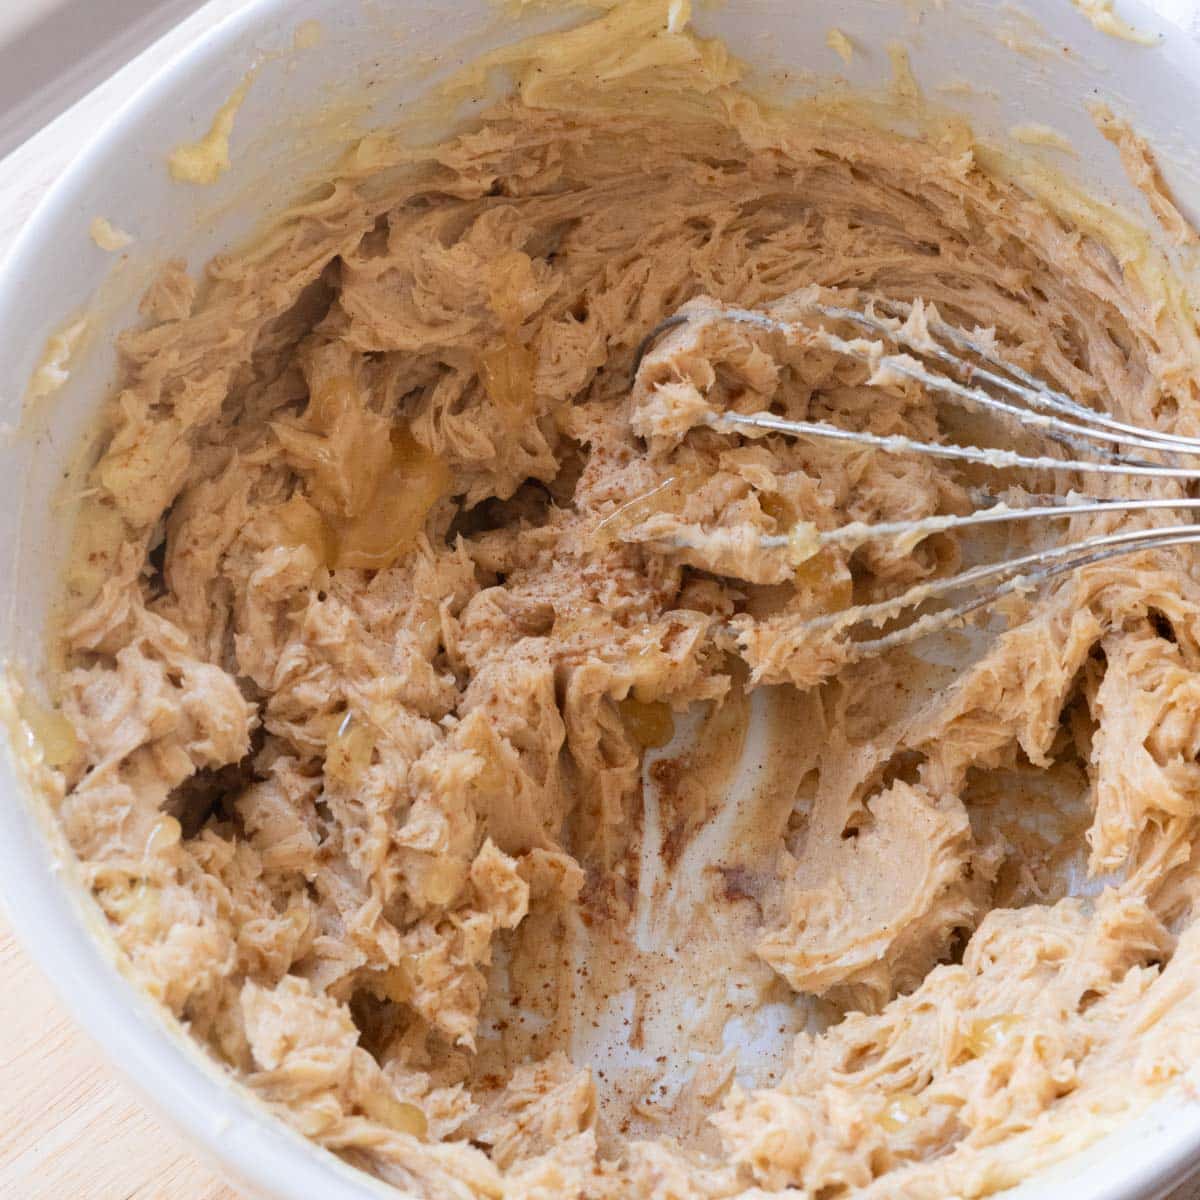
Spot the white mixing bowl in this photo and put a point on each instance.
(374, 58)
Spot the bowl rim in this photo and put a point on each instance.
(234, 1130)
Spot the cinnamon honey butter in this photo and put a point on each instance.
(450, 757)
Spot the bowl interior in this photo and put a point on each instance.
(985, 59)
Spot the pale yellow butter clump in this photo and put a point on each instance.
(205, 161)
(840, 44)
(108, 236)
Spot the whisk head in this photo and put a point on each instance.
(899, 341)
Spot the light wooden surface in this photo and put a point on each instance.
(70, 1129)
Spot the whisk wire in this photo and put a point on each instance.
(1073, 433)
(899, 444)
(1048, 411)
(1076, 556)
(1027, 387)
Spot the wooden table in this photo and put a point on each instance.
(70, 1129)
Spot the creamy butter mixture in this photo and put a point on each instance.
(412, 643)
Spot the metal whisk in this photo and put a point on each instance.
(970, 373)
